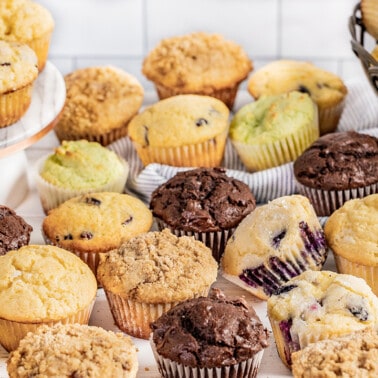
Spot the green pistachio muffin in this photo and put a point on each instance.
(274, 129)
(78, 167)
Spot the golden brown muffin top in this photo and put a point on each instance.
(369, 13)
(158, 267)
(74, 350)
(197, 61)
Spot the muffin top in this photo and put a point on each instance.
(271, 118)
(73, 350)
(23, 20)
(352, 230)
(96, 222)
(369, 14)
(339, 161)
(44, 283)
(179, 120)
(197, 61)
(280, 76)
(158, 267)
(82, 165)
(14, 231)
(352, 355)
(209, 332)
(18, 66)
(202, 200)
(99, 100)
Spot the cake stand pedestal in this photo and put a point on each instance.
(48, 97)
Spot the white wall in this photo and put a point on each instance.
(121, 32)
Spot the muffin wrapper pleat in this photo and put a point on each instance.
(41, 47)
(11, 332)
(329, 117)
(325, 202)
(244, 369)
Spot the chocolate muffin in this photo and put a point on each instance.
(209, 333)
(14, 231)
(204, 203)
(336, 168)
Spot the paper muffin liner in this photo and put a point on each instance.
(11, 332)
(41, 46)
(215, 240)
(329, 117)
(206, 154)
(244, 369)
(368, 273)
(14, 104)
(325, 202)
(258, 157)
(52, 196)
(227, 95)
(134, 317)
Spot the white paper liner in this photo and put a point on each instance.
(329, 117)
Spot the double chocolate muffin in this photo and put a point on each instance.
(336, 168)
(204, 203)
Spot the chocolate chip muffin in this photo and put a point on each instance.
(336, 168)
(202, 202)
(208, 335)
(14, 231)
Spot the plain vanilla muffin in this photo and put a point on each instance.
(318, 305)
(212, 336)
(151, 273)
(79, 167)
(94, 223)
(27, 22)
(14, 230)
(326, 89)
(274, 130)
(74, 350)
(274, 243)
(197, 63)
(185, 130)
(351, 233)
(42, 284)
(354, 355)
(18, 72)
(100, 102)
(205, 203)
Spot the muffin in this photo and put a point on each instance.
(214, 336)
(326, 89)
(14, 230)
(73, 350)
(152, 272)
(204, 203)
(274, 130)
(18, 72)
(369, 15)
(197, 63)
(351, 233)
(94, 223)
(353, 355)
(319, 305)
(79, 167)
(99, 105)
(29, 23)
(336, 168)
(41, 284)
(186, 130)
(277, 241)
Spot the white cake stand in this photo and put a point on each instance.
(48, 97)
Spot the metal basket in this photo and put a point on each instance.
(358, 32)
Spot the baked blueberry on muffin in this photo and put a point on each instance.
(209, 336)
(336, 168)
(204, 203)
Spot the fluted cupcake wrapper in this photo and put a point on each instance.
(325, 202)
(215, 240)
(206, 154)
(41, 47)
(133, 317)
(52, 196)
(11, 332)
(244, 369)
(329, 117)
